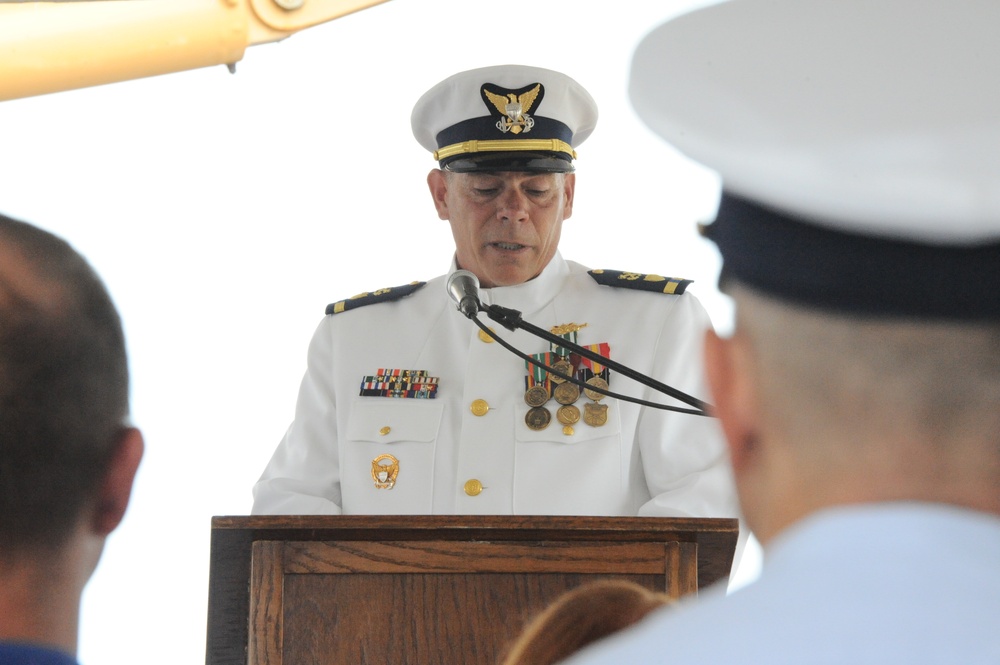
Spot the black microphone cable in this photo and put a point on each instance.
(512, 320)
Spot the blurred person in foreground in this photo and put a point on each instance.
(407, 407)
(860, 389)
(68, 456)
(581, 616)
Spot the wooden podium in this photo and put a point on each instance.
(299, 590)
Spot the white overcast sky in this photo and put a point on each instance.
(225, 211)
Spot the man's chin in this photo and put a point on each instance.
(511, 279)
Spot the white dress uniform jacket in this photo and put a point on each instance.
(914, 583)
(642, 461)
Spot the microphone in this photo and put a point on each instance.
(463, 287)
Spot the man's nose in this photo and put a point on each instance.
(513, 206)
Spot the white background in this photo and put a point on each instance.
(225, 211)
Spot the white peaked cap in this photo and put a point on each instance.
(867, 112)
(875, 119)
(505, 118)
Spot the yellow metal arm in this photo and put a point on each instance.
(53, 46)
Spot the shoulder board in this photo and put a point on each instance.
(636, 280)
(370, 298)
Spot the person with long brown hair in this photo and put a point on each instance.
(582, 616)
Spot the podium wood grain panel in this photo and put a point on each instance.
(267, 609)
(405, 618)
(421, 602)
(453, 557)
(298, 590)
(681, 561)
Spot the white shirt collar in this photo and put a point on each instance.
(531, 295)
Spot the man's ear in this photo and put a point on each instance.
(437, 182)
(116, 488)
(728, 367)
(569, 188)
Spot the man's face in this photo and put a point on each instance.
(506, 224)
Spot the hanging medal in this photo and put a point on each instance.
(538, 389)
(566, 393)
(598, 375)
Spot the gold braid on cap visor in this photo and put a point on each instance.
(534, 145)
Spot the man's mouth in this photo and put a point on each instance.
(507, 246)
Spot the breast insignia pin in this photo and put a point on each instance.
(385, 468)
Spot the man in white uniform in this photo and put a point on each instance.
(860, 391)
(408, 407)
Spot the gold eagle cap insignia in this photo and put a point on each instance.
(514, 108)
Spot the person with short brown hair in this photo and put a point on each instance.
(68, 453)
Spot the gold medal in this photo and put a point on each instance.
(568, 414)
(595, 414)
(537, 418)
(568, 430)
(536, 395)
(593, 394)
(562, 366)
(385, 468)
(566, 393)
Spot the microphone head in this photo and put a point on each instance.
(462, 283)
(463, 287)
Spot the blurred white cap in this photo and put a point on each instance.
(858, 143)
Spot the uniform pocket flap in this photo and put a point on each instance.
(390, 420)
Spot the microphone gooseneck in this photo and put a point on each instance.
(463, 287)
(511, 319)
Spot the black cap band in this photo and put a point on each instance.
(816, 266)
(485, 127)
(509, 161)
(525, 153)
